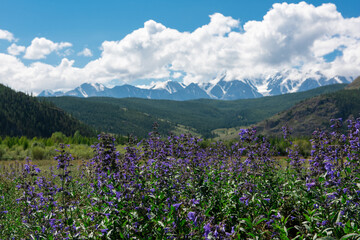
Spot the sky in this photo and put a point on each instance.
(59, 45)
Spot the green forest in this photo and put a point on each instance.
(23, 115)
(136, 116)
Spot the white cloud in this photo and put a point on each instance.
(65, 53)
(289, 35)
(38, 76)
(86, 53)
(41, 47)
(15, 50)
(6, 35)
(177, 75)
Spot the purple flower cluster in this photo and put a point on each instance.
(175, 188)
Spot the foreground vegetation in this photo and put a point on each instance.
(175, 189)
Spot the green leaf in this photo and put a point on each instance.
(161, 223)
(285, 230)
(347, 236)
(261, 220)
(321, 179)
(307, 217)
(338, 217)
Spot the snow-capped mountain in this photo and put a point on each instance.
(231, 90)
(170, 86)
(89, 90)
(293, 81)
(50, 93)
(218, 88)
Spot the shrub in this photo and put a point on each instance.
(58, 137)
(37, 153)
(2, 152)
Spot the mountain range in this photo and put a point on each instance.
(219, 88)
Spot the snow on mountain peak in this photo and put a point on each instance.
(98, 86)
(169, 85)
(223, 86)
(83, 92)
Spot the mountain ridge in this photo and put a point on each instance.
(219, 88)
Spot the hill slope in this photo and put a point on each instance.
(136, 116)
(355, 84)
(22, 115)
(314, 113)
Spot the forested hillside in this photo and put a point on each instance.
(314, 113)
(355, 84)
(136, 116)
(23, 115)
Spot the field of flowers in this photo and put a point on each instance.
(175, 188)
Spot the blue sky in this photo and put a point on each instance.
(67, 27)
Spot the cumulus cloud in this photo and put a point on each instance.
(86, 53)
(15, 50)
(288, 36)
(38, 76)
(41, 47)
(6, 35)
(154, 50)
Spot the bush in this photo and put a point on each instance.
(82, 152)
(37, 144)
(2, 152)
(37, 153)
(50, 152)
(58, 137)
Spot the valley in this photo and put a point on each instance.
(135, 115)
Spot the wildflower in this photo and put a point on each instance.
(191, 216)
(245, 200)
(269, 223)
(310, 185)
(193, 201)
(207, 229)
(177, 205)
(339, 224)
(232, 232)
